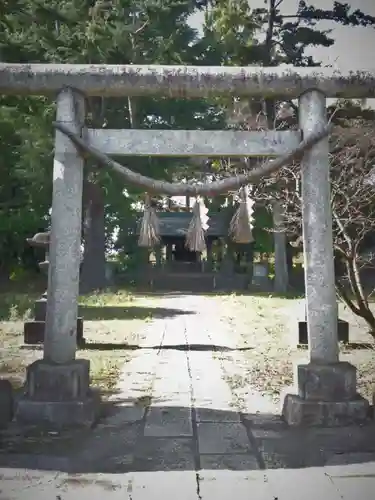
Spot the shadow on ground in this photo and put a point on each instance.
(101, 346)
(136, 437)
(95, 313)
(216, 293)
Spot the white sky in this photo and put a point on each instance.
(354, 47)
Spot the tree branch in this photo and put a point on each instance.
(205, 189)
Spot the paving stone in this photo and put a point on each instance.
(294, 484)
(127, 413)
(265, 421)
(221, 485)
(214, 415)
(287, 452)
(158, 454)
(350, 458)
(353, 488)
(266, 434)
(111, 448)
(220, 438)
(229, 462)
(172, 399)
(163, 422)
(163, 485)
(18, 484)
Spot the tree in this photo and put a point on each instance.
(82, 31)
(352, 160)
(240, 35)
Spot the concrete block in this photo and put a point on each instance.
(218, 438)
(58, 395)
(331, 382)
(301, 412)
(342, 332)
(40, 309)
(53, 382)
(33, 332)
(162, 422)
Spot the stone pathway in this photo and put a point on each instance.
(183, 427)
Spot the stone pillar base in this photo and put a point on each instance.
(58, 396)
(301, 412)
(33, 332)
(326, 397)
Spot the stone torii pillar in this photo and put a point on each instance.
(57, 389)
(327, 394)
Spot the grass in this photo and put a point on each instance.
(112, 321)
(266, 323)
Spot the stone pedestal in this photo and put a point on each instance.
(33, 331)
(326, 396)
(342, 332)
(57, 395)
(260, 277)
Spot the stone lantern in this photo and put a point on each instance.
(34, 330)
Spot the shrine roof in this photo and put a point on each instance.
(173, 224)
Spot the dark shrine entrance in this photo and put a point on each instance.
(180, 253)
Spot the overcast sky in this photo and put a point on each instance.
(354, 48)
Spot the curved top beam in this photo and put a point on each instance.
(184, 81)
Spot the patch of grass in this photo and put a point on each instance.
(263, 321)
(114, 318)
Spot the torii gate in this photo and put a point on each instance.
(57, 389)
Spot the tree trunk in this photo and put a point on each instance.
(93, 274)
(357, 301)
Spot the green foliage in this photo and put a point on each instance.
(137, 32)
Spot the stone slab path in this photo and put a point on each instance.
(184, 426)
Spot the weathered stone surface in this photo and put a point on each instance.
(164, 454)
(333, 382)
(162, 422)
(58, 395)
(353, 481)
(217, 438)
(6, 403)
(58, 414)
(229, 462)
(52, 382)
(192, 142)
(301, 412)
(350, 458)
(214, 415)
(321, 302)
(309, 484)
(65, 237)
(176, 81)
(158, 485)
(224, 484)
